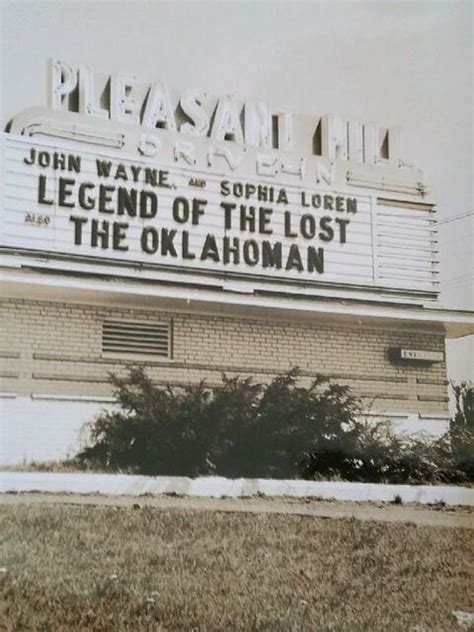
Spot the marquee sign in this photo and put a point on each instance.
(212, 186)
(125, 99)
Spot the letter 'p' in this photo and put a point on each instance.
(62, 81)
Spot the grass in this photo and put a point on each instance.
(104, 568)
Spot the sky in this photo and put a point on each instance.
(405, 63)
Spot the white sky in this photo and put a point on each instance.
(404, 63)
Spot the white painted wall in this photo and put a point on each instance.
(414, 424)
(42, 430)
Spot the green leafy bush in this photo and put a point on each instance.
(279, 430)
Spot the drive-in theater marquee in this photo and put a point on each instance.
(122, 170)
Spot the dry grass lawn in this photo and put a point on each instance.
(106, 568)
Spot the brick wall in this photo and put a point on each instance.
(54, 349)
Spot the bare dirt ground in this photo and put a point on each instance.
(436, 515)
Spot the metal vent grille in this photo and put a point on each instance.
(136, 338)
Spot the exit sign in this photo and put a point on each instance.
(416, 355)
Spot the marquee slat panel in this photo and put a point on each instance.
(386, 244)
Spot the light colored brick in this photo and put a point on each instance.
(204, 346)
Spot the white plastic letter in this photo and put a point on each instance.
(87, 94)
(148, 146)
(394, 145)
(258, 124)
(227, 122)
(185, 151)
(294, 170)
(323, 174)
(191, 104)
(158, 109)
(371, 150)
(268, 165)
(355, 142)
(62, 81)
(232, 160)
(285, 128)
(123, 107)
(333, 137)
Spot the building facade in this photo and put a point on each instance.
(196, 236)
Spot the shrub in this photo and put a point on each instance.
(287, 421)
(461, 430)
(157, 430)
(172, 431)
(279, 430)
(372, 452)
(238, 429)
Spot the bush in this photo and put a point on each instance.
(161, 430)
(279, 430)
(372, 452)
(286, 421)
(238, 429)
(461, 429)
